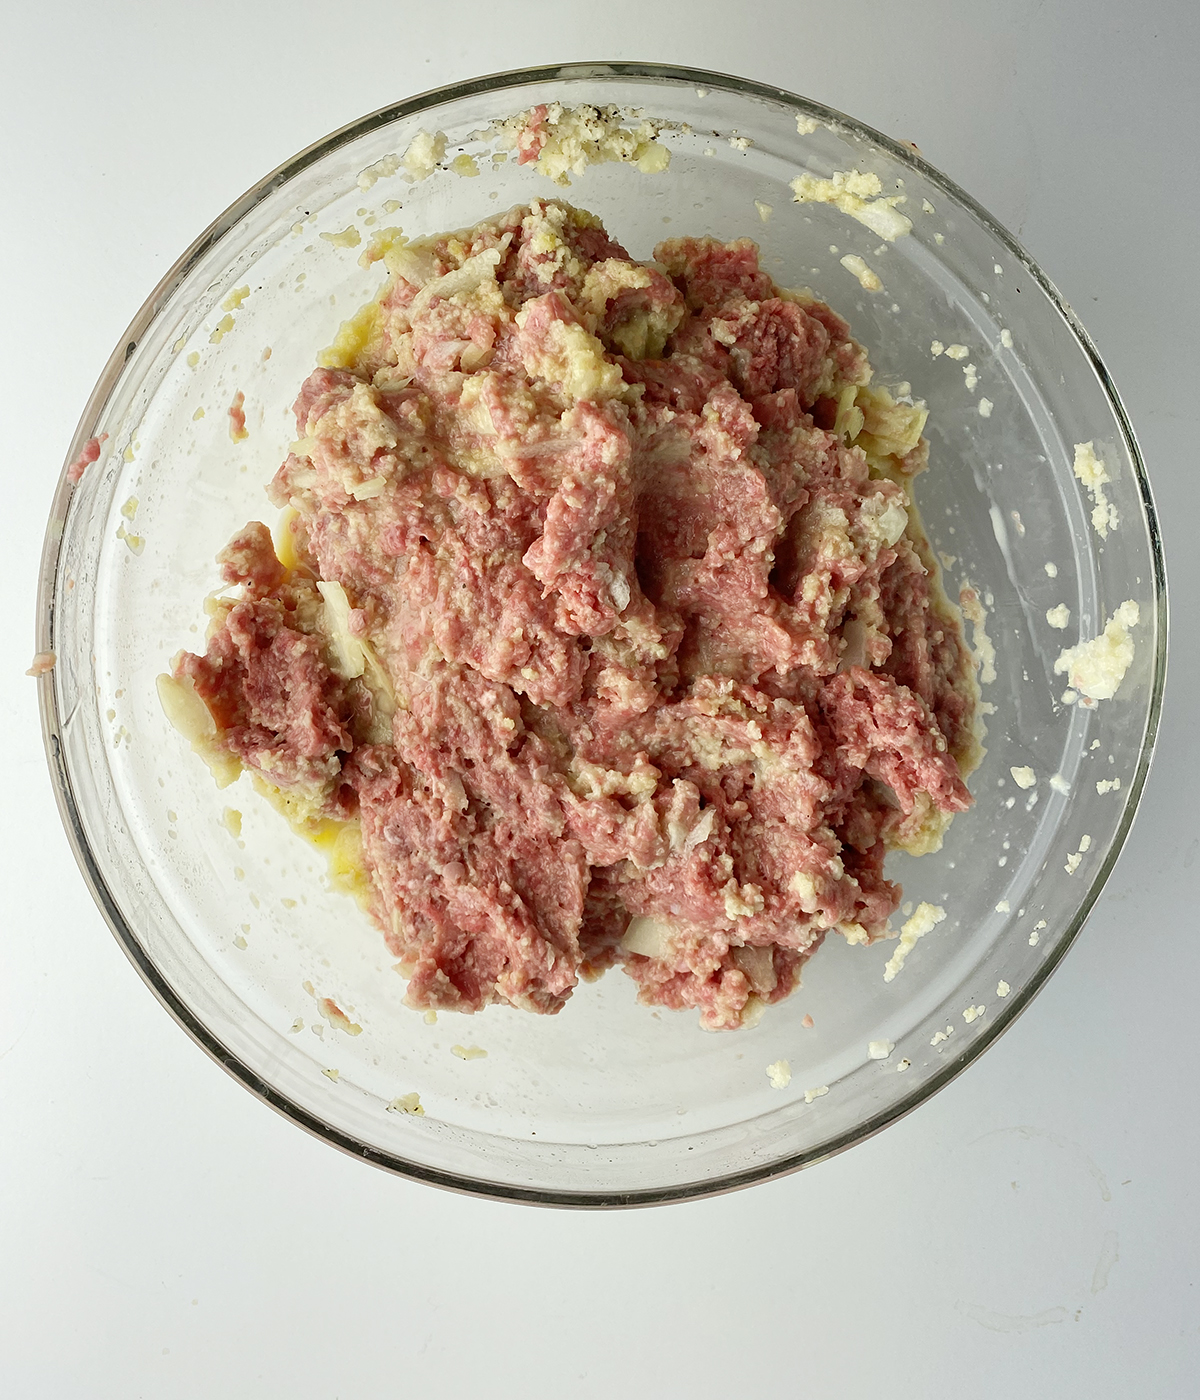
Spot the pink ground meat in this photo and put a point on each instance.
(641, 660)
(89, 453)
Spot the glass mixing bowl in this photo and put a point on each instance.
(237, 931)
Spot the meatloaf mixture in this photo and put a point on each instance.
(604, 630)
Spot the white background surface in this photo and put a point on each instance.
(163, 1234)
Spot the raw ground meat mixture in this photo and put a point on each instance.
(608, 628)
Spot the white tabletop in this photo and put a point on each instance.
(1033, 1227)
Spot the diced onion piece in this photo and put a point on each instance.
(369, 489)
(473, 273)
(349, 658)
(648, 936)
(190, 716)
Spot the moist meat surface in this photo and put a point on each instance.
(611, 628)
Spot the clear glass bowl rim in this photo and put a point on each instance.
(51, 719)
